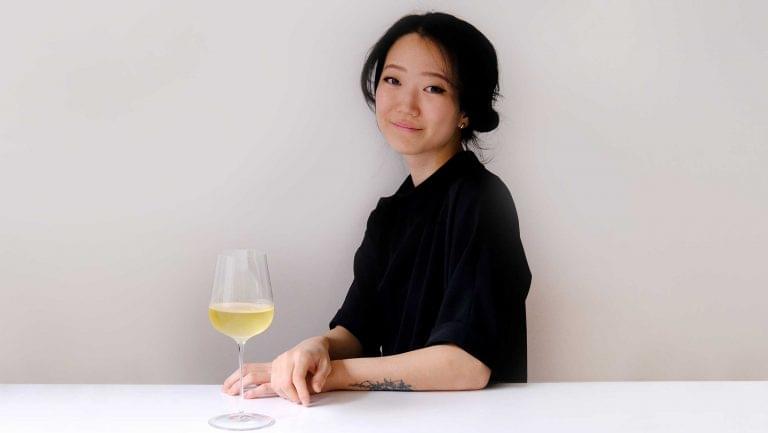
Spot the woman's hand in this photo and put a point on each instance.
(253, 374)
(287, 375)
(290, 370)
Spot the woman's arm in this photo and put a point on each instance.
(436, 368)
(441, 367)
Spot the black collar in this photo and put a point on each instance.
(459, 164)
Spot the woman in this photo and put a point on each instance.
(440, 279)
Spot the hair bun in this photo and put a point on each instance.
(485, 121)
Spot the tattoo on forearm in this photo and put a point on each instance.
(387, 385)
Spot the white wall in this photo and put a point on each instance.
(137, 140)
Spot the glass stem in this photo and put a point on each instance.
(240, 350)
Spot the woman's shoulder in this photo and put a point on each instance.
(479, 186)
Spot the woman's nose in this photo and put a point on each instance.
(408, 103)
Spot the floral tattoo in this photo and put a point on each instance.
(387, 385)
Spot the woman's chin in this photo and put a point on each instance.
(407, 151)
(405, 148)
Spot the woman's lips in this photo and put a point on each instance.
(405, 128)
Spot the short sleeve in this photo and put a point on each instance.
(359, 313)
(487, 281)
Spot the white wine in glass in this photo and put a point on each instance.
(241, 320)
(241, 306)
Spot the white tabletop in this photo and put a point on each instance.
(538, 407)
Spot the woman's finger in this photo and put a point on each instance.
(299, 379)
(251, 378)
(282, 369)
(234, 377)
(323, 370)
(279, 392)
(261, 391)
(277, 377)
(260, 373)
(285, 381)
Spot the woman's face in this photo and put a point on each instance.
(417, 107)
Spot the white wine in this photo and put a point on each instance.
(241, 320)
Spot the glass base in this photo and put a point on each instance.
(241, 421)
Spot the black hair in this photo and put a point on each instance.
(470, 54)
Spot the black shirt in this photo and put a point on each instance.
(442, 262)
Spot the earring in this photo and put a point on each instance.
(461, 125)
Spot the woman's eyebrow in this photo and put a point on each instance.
(434, 74)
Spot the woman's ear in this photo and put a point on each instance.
(464, 120)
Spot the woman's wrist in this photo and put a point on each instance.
(325, 341)
(337, 380)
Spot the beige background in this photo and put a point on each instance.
(137, 140)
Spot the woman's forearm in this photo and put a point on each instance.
(434, 368)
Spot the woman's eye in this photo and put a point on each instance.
(438, 90)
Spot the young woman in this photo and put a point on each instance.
(440, 280)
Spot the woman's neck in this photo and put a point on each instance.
(424, 165)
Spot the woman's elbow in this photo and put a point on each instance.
(474, 373)
(480, 377)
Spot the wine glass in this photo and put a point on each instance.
(241, 306)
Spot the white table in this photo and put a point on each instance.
(593, 407)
